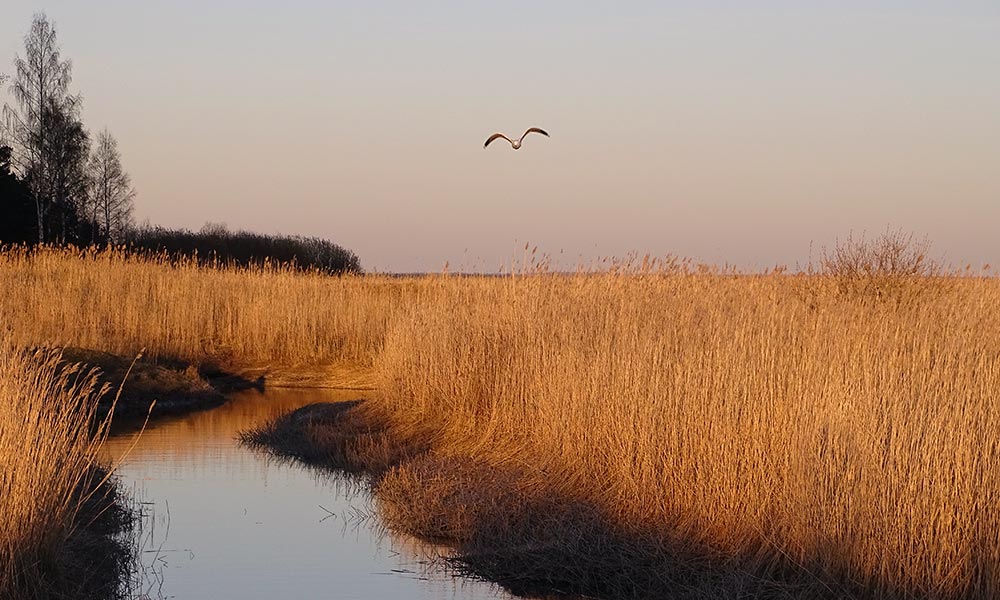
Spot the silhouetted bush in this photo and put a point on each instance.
(214, 243)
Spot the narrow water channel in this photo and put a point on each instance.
(221, 521)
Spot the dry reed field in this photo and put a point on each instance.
(837, 430)
(117, 303)
(761, 417)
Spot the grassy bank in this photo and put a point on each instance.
(804, 435)
(696, 433)
(59, 512)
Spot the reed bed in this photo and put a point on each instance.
(839, 429)
(770, 417)
(122, 302)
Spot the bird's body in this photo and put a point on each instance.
(515, 144)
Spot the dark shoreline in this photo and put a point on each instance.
(155, 389)
(521, 529)
(95, 559)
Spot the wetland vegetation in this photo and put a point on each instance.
(645, 428)
(61, 515)
(658, 429)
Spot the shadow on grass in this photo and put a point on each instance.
(95, 560)
(521, 529)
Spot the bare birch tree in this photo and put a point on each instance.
(111, 195)
(40, 88)
(64, 154)
(4, 78)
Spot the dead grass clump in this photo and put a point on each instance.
(153, 390)
(96, 560)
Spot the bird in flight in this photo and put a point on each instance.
(515, 144)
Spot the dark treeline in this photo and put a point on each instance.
(17, 208)
(58, 185)
(216, 244)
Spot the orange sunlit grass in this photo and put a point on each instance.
(122, 304)
(761, 415)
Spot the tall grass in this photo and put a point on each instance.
(854, 439)
(782, 419)
(122, 303)
(49, 457)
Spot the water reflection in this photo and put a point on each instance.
(220, 521)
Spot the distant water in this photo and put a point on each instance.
(221, 521)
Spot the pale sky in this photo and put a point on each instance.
(716, 130)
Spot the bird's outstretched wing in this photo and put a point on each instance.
(534, 130)
(495, 136)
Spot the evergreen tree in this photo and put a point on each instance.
(17, 214)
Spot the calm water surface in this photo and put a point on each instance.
(221, 521)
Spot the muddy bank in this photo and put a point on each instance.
(165, 388)
(520, 527)
(154, 388)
